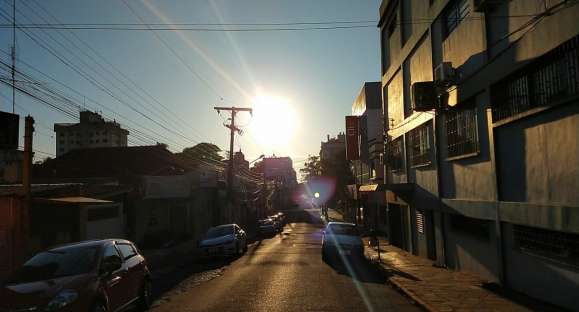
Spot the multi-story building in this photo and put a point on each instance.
(279, 169)
(91, 132)
(333, 148)
(487, 180)
(368, 107)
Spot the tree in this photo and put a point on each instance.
(207, 153)
(312, 167)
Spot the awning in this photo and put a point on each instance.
(369, 187)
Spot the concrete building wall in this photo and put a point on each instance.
(469, 177)
(472, 253)
(538, 157)
(538, 276)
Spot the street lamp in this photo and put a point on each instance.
(258, 158)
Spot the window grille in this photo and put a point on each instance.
(420, 145)
(395, 155)
(462, 131)
(420, 222)
(552, 77)
(555, 245)
(475, 228)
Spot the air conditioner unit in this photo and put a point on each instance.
(424, 97)
(444, 74)
(485, 5)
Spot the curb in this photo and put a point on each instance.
(407, 292)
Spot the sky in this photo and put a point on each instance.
(303, 82)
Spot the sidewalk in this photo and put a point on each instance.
(439, 289)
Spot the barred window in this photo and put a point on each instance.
(461, 130)
(555, 245)
(395, 157)
(420, 145)
(475, 228)
(552, 77)
(454, 14)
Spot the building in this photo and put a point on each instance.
(368, 107)
(91, 132)
(279, 169)
(484, 178)
(10, 157)
(334, 148)
(369, 169)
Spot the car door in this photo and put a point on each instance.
(133, 275)
(113, 284)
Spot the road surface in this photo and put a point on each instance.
(286, 273)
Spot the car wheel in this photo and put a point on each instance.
(99, 307)
(146, 297)
(245, 247)
(324, 255)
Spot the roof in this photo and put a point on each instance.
(111, 162)
(17, 189)
(88, 243)
(76, 200)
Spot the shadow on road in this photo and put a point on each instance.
(358, 269)
(183, 269)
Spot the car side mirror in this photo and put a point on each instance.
(110, 264)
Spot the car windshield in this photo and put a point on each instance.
(57, 263)
(220, 231)
(343, 230)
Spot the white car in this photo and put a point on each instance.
(224, 240)
(341, 239)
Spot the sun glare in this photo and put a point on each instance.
(273, 122)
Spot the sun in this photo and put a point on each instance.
(273, 122)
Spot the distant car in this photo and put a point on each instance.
(267, 227)
(341, 239)
(281, 217)
(95, 276)
(224, 240)
(276, 222)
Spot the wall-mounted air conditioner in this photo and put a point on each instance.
(424, 97)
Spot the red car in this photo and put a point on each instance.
(95, 276)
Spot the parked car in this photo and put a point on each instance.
(341, 239)
(281, 217)
(276, 222)
(267, 227)
(224, 240)
(95, 276)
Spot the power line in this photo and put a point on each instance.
(199, 29)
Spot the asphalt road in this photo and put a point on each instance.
(286, 273)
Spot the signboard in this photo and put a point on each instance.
(8, 130)
(352, 138)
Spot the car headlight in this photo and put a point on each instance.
(61, 300)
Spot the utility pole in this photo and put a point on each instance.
(232, 128)
(13, 54)
(26, 177)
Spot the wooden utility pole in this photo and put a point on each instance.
(232, 129)
(26, 177)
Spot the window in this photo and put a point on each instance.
(419, 139)
(395, 157)
(454, 14)
(406, 21)
(555, 245)
(419, 222)
(475, 228)
(110, 251)
(552, 77)
(127, 251)
(461, 131)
